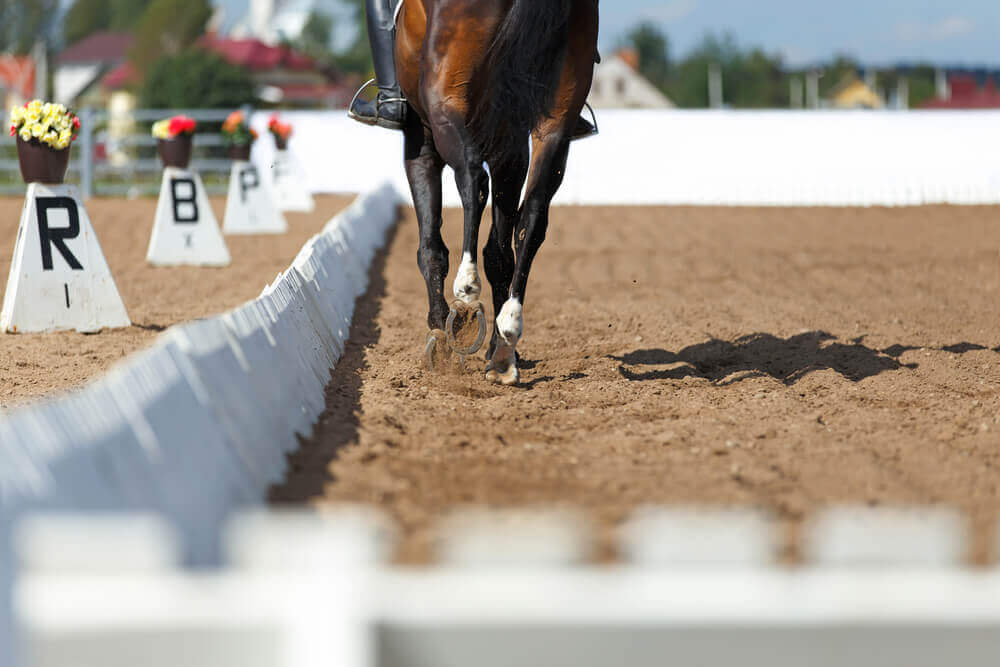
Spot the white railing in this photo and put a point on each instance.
(115, 154)
(879, 588)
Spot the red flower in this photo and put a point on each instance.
(181, 125)
(76, 123)
(13, 130)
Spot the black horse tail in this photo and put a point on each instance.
(521, 73)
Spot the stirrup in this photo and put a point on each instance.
(593, 118)
(376, 103)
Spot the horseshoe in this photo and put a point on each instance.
(450, 330)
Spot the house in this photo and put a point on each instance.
(81, 67)
(854, 93)
(282, 74)
(619, 85)
(965, 92)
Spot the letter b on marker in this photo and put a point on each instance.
(185, 201)
(57, 236)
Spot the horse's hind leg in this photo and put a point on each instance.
(423, 170)
(548, 165)
(498, 254)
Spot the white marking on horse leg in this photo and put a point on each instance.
(510, 321)
(467, 286)
(510, 324)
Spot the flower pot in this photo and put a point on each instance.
(176, 152)
(239, 152)
(41, 163)
(281, 144)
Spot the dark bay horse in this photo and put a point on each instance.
(481, 78)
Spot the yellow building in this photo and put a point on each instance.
(853, 93)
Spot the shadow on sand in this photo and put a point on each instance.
(760, 354)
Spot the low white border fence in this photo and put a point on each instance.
(879, 588)
(728, 158)
(198, 424)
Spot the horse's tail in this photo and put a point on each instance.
(521, 73)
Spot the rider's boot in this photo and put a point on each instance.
(388, 109)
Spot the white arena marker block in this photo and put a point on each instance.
(887, 537)
(513, 538)
(80, 543)
(59, 279)
(250, 207)
(293, 540)
(699, 537)
(186, 232)
(288, 181)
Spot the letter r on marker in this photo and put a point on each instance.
(57, 236)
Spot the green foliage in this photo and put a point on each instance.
(654, 52)
(316, 34)
(85, 17)
(22, 22)
(356, 58)
(751, 79)
(89, 16)
(166, 28)
(196, 79)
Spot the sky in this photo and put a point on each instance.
(876, 32)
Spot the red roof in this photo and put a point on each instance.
(966, 94)
(256, 55)
(100, 47)
(17, 73)
(120, 77)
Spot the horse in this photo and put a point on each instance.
(497, 83)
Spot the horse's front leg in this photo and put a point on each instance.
(423, 170)
(467, 324)
(548, 165)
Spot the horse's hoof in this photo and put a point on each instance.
(471, 321)
(436, 351)
(503, 372)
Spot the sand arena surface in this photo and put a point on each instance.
(34, 365)
(789, 358)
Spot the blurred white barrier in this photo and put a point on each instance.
(315, 590)
(750, 158)
(198, 424)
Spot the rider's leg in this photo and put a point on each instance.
(388, 109)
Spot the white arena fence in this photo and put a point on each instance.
(200, 423)
(880, 587)
(739, 158)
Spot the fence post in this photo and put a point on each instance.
(87, 152)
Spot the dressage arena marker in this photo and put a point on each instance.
(250, 207)
(186, 231)
(288, 182)
(59, 279)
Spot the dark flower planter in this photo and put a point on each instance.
(239, 152)
(281, 144)
(41, 163)
(176, 152)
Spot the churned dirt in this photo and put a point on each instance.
(788, 358)
(34, 365)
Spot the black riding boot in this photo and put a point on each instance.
(388, 109)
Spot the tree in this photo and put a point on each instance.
(316, 34)
(89, 16)
(85, 17)
(23, 22)
(653, 48)
(196, 78)
(166, 28)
